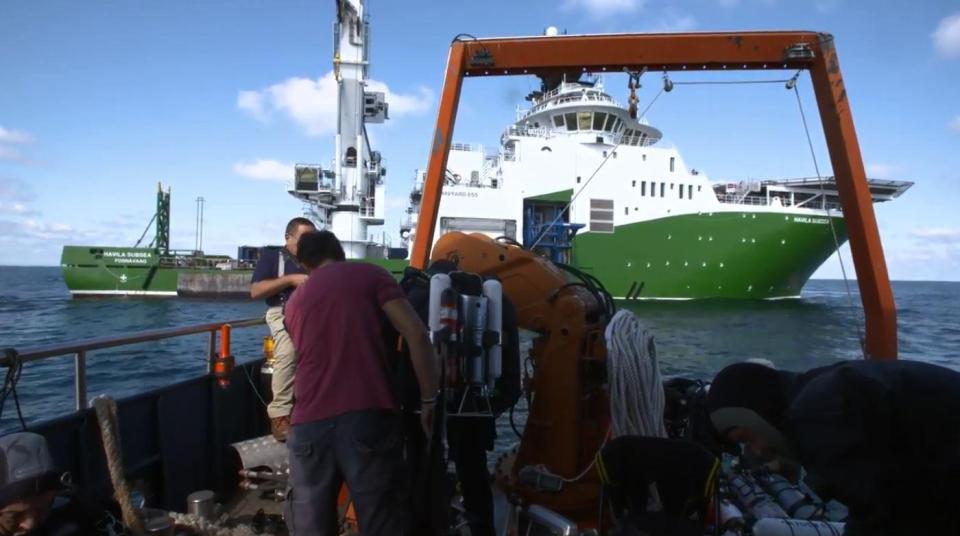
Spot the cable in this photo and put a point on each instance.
(513, 424)
(256, 391)
(833, 230)
(14, 370)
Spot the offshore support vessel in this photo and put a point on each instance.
(176, 439)
(347, 197)
(155, 269)
(585, 181)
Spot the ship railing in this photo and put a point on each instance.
(784, 201)
(81, 349)
(535, 132)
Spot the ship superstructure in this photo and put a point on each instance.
(579, 178)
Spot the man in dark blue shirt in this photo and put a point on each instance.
(276, 276)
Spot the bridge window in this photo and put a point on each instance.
(611, 119)
(571, 119)
(634, 184)
(681, 191)
(598, 120)
(586, 118)
(690, 191)
(663, 189)
(351, 157)
(643, 188)
(558, 120)
(672, 162)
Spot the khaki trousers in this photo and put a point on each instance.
(284, 365)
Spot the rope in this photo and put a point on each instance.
(202, 527)
(636, 390)
(833, 230)
(106, 410)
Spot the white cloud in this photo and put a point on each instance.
(265, 170)
(954, 124)
(15, 208)
(312, 104)
(10, 154)
(31, 229)
(941, 235)
(604, 8)
(879, 170)
(946, 38)
(14, 136)
(252, 103)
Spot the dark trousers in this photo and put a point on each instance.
(363, 449)
(469, 440)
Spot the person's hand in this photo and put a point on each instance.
(427, 411)
(296, 280)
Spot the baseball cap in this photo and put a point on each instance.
(26, 467)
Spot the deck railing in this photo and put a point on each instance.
(759, 200)
(80, 349)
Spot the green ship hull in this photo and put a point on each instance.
(710, 255)
(740, 255)
(117, 271)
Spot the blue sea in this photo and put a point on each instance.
(694, 338)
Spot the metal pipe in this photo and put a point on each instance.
(80, 380)
(211, 350)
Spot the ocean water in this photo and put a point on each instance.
(694, 338)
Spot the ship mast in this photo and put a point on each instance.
(358, 187)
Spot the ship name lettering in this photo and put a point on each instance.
(807, 219)
(462, 194)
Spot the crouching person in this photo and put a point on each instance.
(34, 497)
(345, 422)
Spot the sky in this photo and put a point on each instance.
(100, 101)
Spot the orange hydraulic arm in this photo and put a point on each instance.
(569, 415)
(681, 52)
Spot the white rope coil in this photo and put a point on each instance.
(202, 527)
(636, 389)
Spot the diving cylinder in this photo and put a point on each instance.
(752, 496)
(438, 284)
(796, 527)
(474, 310)
(493, 291)
(790, 497)
(731, 518)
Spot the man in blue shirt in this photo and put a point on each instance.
(275, 278)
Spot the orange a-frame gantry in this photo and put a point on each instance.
(688, 52)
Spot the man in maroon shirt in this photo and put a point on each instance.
(345, 423)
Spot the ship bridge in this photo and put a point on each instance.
(577, 109)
